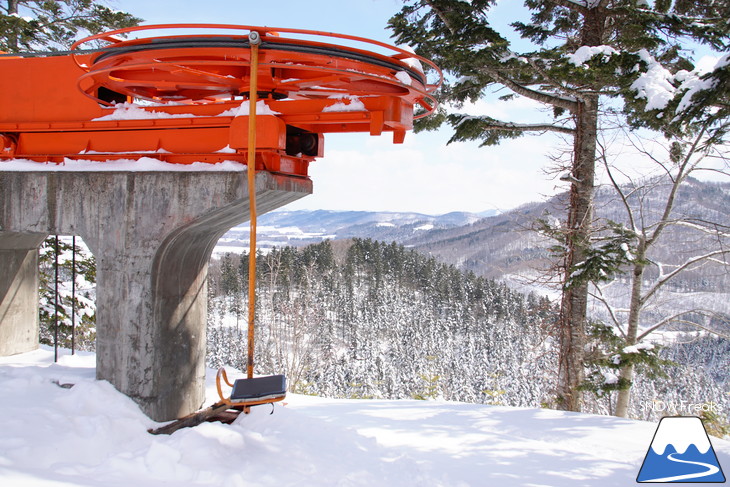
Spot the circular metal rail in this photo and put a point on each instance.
(211, 68)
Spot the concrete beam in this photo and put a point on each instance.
(152, 234)
(19, 291)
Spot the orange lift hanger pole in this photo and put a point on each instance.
(254, 41)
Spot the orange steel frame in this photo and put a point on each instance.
(181, 98)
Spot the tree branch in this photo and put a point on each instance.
(578, 6)
(685, 19)
(544, 76)
(618, 189)
(540, 96)
(609, 308)
(675, 319)
(709, 231)
(682, 173)
(441, 15)
(660, 282)
(527, 127)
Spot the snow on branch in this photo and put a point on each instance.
(691, 84)
(687, 20)
(545, 77)
(487, 123)
(586, 53)
(579, 5)
(701, 228)
(655, 84)
(658, 86)
(699, 259)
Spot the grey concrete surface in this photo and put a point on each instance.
(19, 291)
(152, 234)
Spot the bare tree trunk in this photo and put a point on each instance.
(632, 330)
(624, 395)
(572, 326)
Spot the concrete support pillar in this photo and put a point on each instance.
(19, 292)
(152, 234)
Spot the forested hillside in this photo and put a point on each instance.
(361, 318)
(367, 319)
(506, 244)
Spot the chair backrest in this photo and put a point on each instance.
(258, 388)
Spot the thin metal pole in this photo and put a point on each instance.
(55, 301)
(254, 39)
(73, 295)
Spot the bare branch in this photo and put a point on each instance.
(676, 319)
(710, 231)
(609, 308)
(690, 262)
(682, 173)
(618, 189)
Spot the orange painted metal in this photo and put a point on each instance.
(183, 98)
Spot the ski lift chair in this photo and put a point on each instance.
(251, 391)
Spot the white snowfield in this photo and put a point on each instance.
(91, 435)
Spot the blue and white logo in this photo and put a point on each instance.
(681, 452)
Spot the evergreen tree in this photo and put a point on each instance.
(231, 286)
(35, 25)
(581, 52)
(343, 331)
(334, 335)
(74, 309)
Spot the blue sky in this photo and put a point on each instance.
(360, 172)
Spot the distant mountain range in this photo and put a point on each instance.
(497, 244)
(303, 227)
(506, 245)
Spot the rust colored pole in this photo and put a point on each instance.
(55, 299)
(73, 295)
(254, 40)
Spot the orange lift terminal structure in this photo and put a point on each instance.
(235, 93)
(184, 98)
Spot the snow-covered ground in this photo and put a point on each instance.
(91, 435)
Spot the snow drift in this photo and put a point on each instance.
(89, 434)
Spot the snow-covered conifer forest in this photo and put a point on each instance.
(365, 319)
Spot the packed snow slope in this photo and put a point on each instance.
(91, 435)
